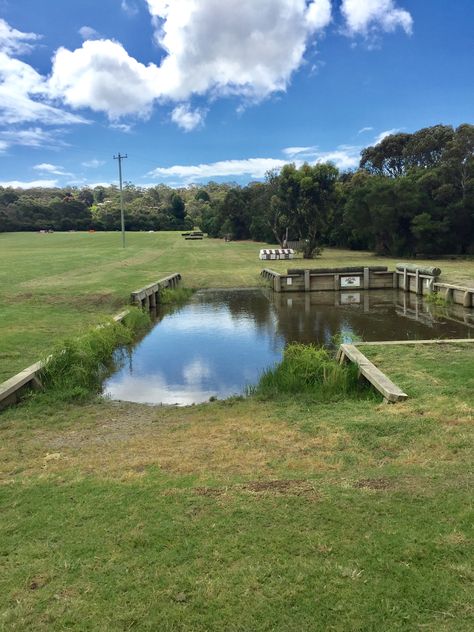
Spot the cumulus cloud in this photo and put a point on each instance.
(365, 16)
(344, 157)
(23, 92)
(211, 47)
(186, 118)
(15, 42)
(238, 47)
(102, 76)
(46, 167)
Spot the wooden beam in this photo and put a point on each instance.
(442, 341)
(390, 391)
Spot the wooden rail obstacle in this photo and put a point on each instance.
(14, 388)
(276, 253)
(148, 297)
(406, 277)
(390, 391)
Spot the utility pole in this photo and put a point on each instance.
(119, 157)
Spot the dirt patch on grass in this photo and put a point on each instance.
(125, 440)
(273, 488)
(378, 484)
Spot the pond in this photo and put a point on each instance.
(221, 341)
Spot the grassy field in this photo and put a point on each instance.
(58, 284)
(259, 514)
(245, 515)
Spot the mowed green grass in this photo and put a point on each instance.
(56, 285)
(241, 515)
(245, 515)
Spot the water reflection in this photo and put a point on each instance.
(221, 341)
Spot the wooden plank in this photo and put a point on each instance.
(440, 341)
(19, 380)
(462, 288)
(390, 391)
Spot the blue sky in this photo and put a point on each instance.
(198, 90)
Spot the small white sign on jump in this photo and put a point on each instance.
(350, 281)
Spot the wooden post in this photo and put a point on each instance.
(147, 302)
(467, 299)
(307, 281)
(277, 283)
(418, 286)
(405, 281)
(366, 278)
(153, 300)
(395, 280)
(337, 283)
(449, 294)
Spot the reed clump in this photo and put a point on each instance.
(175, 296)
(77, 366)
(312, 371)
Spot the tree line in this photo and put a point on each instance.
(412, 194)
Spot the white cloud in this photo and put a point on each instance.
(378, 139)
(298, 151)
(365, 129)
(212, 47)
(19, 184)
(88, 33)
(15, 42)
(46, 167)
(32, 137)
(252, 167)
(22, 92)
(128, 7)
(365, 16)
(238, 47)
(102, 76)
(344, 157)
(186, 118)
(126, 128)
(93, 164)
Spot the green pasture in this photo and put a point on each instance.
(283, 511)
(56, 285)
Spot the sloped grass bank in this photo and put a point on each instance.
(77, 366)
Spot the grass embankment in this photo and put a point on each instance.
(55, 285)
(245, 515)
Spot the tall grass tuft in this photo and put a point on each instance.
(175, 296)
(309, 370)
(77, 366)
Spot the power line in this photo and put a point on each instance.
(119, 157)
